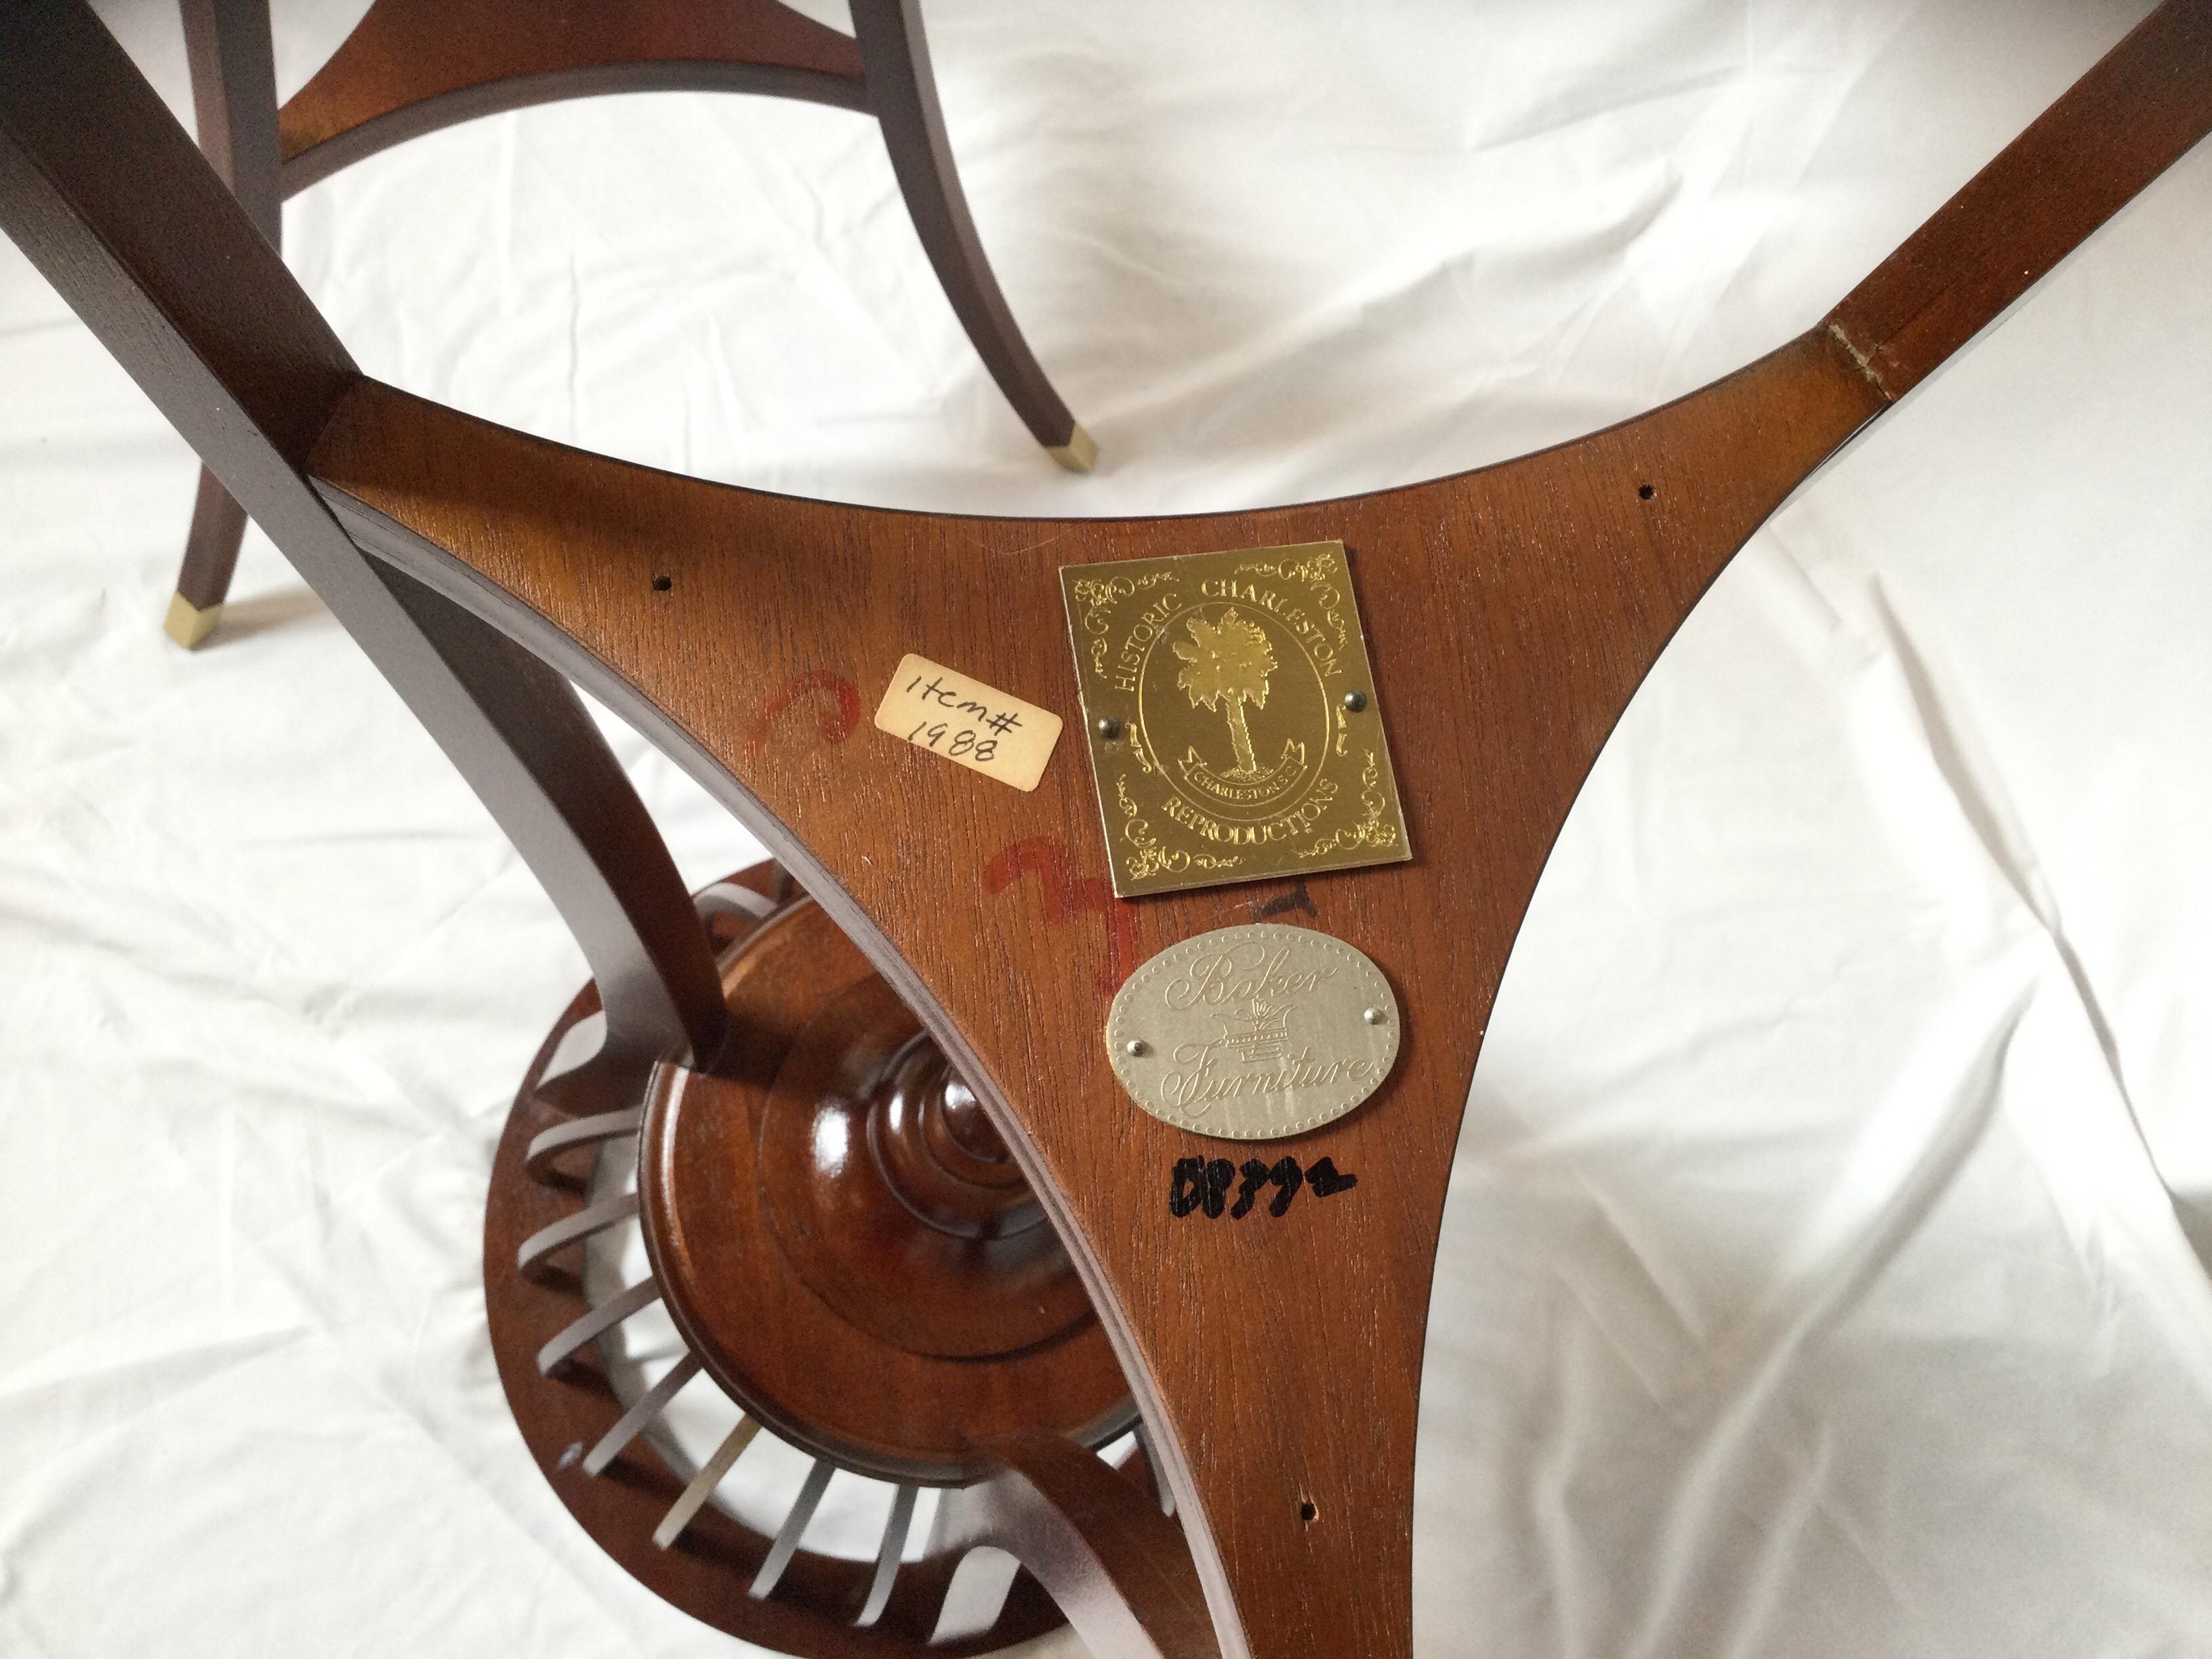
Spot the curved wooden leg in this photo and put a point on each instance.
(234, 72)
(527, 745)
(210, 556)
(895, 58)
(412, 66)
(95, 180)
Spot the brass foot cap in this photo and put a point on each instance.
(1078, 454)
(187, 624)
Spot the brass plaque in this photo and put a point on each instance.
(1232, 721)
(1251, 1033)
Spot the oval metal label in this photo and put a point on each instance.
(1255, 1032)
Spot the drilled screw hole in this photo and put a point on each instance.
(1307, 1512)
(662, 584)
(1645, 492)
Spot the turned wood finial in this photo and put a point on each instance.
(832, 1219)
(937, 1152)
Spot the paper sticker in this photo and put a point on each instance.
(965, 720)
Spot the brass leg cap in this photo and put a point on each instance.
(1078, 454)
(187, 624)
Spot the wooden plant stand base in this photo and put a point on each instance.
(950, 1343)
(1274, 1354)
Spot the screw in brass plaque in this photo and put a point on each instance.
(1226, 684)
(1254, 1032)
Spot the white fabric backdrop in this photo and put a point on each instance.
(1816, 1280)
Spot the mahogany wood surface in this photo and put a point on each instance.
(412, 66)
(234, 74)
(1511, 613)
(212, 545)
(872, 1348)
(232, 61)
(867, 1214)
(2067, 173)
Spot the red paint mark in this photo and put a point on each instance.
(837, 721)
(1065, 897)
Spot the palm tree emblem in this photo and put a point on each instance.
(1227, 663)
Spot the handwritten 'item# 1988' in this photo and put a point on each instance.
(1233, 730)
